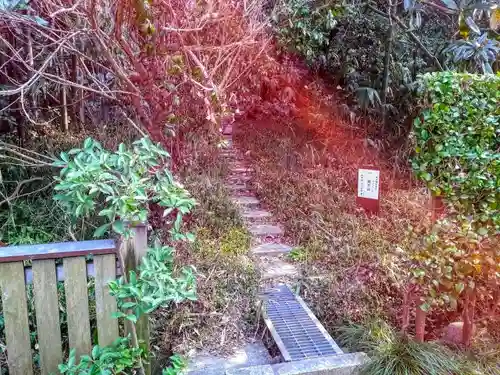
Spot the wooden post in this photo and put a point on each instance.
(133, 250)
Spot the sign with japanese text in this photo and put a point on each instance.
(368, 189)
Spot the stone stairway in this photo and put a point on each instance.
(268, 251)
(268, 248)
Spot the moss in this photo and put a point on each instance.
(235, 242)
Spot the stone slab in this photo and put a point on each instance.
(255, 214)
(245, 201)
(343, 364)
(265, 230)
(227, 129)
(239, 178)
(250, 355)
(237, 187)
(274, 268)
(254, 370)
(241, 169)
(271, 249)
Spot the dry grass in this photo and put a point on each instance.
(306, 166)
(227, 281)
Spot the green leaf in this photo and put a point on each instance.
(129, 305)
(118, 315)
(425, 307)
(96, 352)
(62, 368)
(118, 227)
(459, 287)
(99, 232)
(132, 318)
(88, 143)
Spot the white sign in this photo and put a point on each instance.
(368, 183)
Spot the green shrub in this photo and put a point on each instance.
(120, 185)
(394, 354)
(304, 28)
(457, 142)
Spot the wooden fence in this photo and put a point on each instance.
(44, 274)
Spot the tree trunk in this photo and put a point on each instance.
(64, 109)
(63, 101)
(420, 325)
(468, 317)
(437, 207)
(405, 319)
(387, 62)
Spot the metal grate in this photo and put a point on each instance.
(297, 332)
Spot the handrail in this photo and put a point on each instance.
(56, 250)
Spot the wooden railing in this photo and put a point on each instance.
(44, 274)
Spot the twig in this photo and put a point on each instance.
(410, 33)
(142, 132)
(18, 188)
(65, 10)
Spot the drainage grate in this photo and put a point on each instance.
(297, 332)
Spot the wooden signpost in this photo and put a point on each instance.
(369, 189)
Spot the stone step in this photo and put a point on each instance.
(340, 364)
(228, 129)
(241, 169)
(239, 177)
(271, 249)
(249, 355)
(246, 201)
(265, 230)
(274, 268)
(237, 187)
(255, 214)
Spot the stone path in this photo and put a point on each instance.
(268, 250)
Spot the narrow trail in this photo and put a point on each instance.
(268, 248)
(268, 251)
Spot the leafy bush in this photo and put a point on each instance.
(156, 286)
(306, 29)
(457, 147)
(477, 55)
(112, 359)
(120, 185)
(453, 260)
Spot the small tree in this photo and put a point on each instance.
(457, 156)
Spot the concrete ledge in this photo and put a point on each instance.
(343, 364)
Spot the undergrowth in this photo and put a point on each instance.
(227, 281)
(348, 260)
(394, 354)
